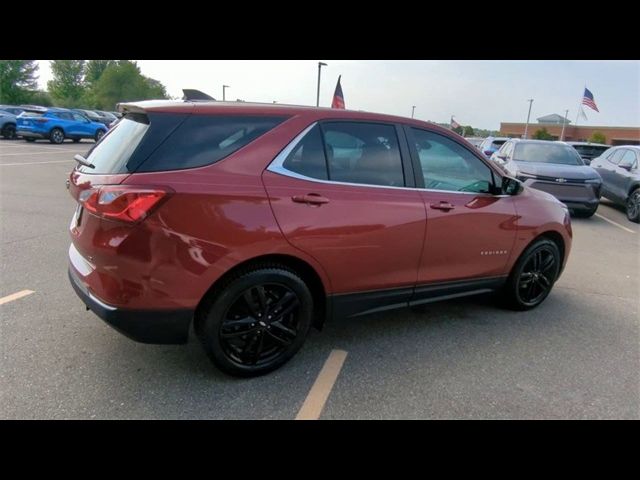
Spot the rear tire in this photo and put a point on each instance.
(533, 275)
(56, 136)
(633, 206)
(9, 132)
(256, 320)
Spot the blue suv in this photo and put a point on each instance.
(56, 124)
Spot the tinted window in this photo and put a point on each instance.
(308, 157)
(628, 159)
(498, 143)
(590, 151)
(112, 153)
(546, 153)
(446, 165)
(366, 153)
(617, 155)
(205, 139)
(79, 118)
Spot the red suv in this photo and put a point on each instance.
(256, 221)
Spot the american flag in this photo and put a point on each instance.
(338, 97)
(454, 124)
(587, 99)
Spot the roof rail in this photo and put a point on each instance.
(191, 95)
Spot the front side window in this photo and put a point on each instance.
(617, 156)
(365, 153)
(628, 159)
(446, 165)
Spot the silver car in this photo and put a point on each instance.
(553, 167)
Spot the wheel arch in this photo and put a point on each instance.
(305, 270)
(633, 187)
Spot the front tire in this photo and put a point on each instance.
(633, 206)
(256, 321)
(533, 275)
(56, 136)
(99, 135)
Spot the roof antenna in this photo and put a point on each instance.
(190, 94)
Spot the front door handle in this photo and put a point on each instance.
(311, 198)
(446, 206)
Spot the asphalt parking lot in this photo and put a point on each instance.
(577, 356)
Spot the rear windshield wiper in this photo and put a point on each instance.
(83, 161)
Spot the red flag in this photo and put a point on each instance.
(338, 97)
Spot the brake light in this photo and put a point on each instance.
(125, 204)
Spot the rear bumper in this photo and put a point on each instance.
(145, 326)
(30, 134)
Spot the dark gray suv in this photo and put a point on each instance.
(555, 168)
(620, 172)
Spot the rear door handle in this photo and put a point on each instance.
(311, 198)
(446, 206)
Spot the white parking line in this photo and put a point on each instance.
(615, 223)
(33, 163)
(66, 152)
(15, 296)
(319, 393)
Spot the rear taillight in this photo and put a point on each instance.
(124, 204)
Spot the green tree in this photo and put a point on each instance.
(18, 80)
(123, 82)
(542, 134)
(468, 131)
(597, 137)
(94, 70)
(67, 89)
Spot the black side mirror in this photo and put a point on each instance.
(511, 186)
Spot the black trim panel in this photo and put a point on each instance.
(145, 326)
(348, 305)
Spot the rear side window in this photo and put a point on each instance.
(617, 155)
(308, 157)
(165, 141)
(204, 139)
(366, 153)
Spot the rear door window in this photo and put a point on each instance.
(617, 155)
(365, 153)
(308, 158)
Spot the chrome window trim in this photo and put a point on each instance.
(276, 166)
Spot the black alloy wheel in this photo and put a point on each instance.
(9, 131)
(260, 324)
(533, 276)
(256, 321)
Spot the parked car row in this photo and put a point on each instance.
(54, 124)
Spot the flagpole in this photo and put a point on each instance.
(580, 105)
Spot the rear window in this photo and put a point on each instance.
(162, 141)
(590, 151)
(498, 143)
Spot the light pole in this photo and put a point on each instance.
(224, 87)
(320, 65)
(413, 109)
(526, 127)
(564, 120)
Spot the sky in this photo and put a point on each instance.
(481, 93)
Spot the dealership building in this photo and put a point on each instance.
(553, 124)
